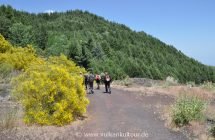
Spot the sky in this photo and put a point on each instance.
(188, 25)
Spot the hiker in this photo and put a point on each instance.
(98, 80)
(107, 81)
(86, 81)
(102, 75)
(91, 79)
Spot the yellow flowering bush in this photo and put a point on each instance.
(63, 62)
(50, 90)
(4, 45)
(51, 93)
(20, 58)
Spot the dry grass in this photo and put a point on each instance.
(210, 113)
(8, 121)
(174, 91)
(8, 109)
(126, 82)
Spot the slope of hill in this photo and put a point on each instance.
(93, 42)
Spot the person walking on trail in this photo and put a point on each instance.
(98, 80)
(107, 82)
(86, 80)
(91, 79)
(102, 75)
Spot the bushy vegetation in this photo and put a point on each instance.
(170, 81)
(209, 86)
(93, 42)
(212, 131)
(5, 70)
(8, 120)
(125, 82)
(191, 84)
(19, 58)
(5, 45)
(50, 90)
(51, 94)
(187, 109)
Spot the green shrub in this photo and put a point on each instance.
(187, 109)
(209, 86)
(125, 82)
(171, 81)
(191, 84)
(212, 130)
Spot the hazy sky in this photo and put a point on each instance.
(188, 25)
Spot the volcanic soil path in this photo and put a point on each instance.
(125, 115)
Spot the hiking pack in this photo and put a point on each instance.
(98, 77)
(91, 78)
(107, 78)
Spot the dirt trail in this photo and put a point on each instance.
(122, 112)
(120, 115)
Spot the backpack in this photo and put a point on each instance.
(91, 78)
(98, 77)
(107, 78)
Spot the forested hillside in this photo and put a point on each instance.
(93, 42)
